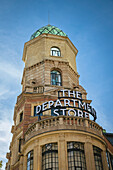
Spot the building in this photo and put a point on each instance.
(52, 117)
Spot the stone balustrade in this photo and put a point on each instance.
(63, 123)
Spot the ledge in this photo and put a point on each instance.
(59, 123)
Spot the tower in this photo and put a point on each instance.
(52, 117)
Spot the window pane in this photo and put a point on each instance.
(30, 161)
(21, 116)
(55, 51)
(97, 157)
(58, 53)
(20, 141)
(111, 160)
(55, 78)
(50, 156)
(76, 156)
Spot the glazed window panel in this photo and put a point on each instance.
(55, 51)
(111, 160)
(107, 157)
(30, 161)
(50, 156)
(76, 156)
(55, 78)
(97, 157)
(19, 147)
(21, 116)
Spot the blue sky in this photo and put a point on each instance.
(88, 24)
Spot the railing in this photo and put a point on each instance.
(63, 123)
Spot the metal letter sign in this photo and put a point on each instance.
(68, 103)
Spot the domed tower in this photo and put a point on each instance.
(52, 127)
(49, 50)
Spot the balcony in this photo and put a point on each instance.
(59, 123)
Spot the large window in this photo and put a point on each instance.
(8, 167)
(55, 51)
(76, 156)
(21, 116)
(19, 147)
(97, 157)
(30, 161)
(50, 156)
(109, 160)
(56, 78)
(107, 156)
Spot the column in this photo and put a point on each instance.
(89, 156)
(21, 163)
(35, 158)
(62, 158)
(39, 154)
(25, 163)
(104, 160)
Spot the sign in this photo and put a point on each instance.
(68, 103)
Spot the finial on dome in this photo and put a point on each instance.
(48, 19)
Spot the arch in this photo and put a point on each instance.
(55, 51)
(56, 78)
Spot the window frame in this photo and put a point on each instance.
(50, 156)
(55, 51)
(56, 76)
(19, 145)
(30, 160)
(21, 116)
(76, 155)
(97, 158)
(109, 159)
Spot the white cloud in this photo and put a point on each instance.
(10, 70)
(103, 119)
(5, 134)
(10, 74)
(2, 92)
(6, 93)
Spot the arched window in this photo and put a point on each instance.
(55, 78)
(30, 160)
(76, 156)
(50, 156)
(55, 51)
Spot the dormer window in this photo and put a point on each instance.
(55, 51)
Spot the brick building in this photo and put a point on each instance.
(54, 122)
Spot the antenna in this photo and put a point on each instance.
(48, 18)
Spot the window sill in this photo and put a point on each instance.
(56, 56)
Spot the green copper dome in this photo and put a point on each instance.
(49, 29)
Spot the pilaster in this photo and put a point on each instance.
(36, 155)
(25, 163)
(62, 152)
(104, 160)
(39, 154)
(21, 163)
(89, 156)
